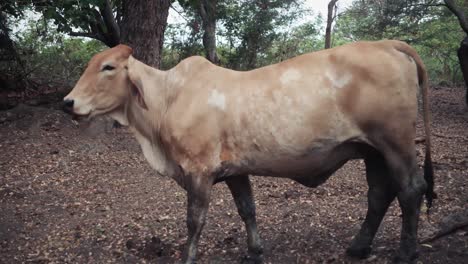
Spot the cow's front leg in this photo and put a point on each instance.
(198, 194)
(242, 193)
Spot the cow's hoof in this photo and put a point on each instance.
(405, 259)
(358, 252)
(252, 259)
(402, 260)
(189, 261)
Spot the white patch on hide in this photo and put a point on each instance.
(338, 81)
(289, 76)
(217, 99)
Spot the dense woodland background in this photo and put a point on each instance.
(84, 193)
(45, 44)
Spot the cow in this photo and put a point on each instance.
(301, 119)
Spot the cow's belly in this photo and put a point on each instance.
(316, 158)
(311, 168)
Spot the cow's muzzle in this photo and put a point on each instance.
(67, 106)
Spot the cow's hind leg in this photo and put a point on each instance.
(410, 197)
(243, 197)
(410, 186)
(380, 195)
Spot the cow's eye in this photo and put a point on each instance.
(108, 68)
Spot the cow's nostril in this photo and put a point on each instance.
(68, 105)
(68, 102)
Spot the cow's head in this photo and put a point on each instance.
(105, 85)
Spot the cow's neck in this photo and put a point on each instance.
(146, 125)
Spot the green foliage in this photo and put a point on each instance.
(11, 7)
(437, 42)
(97, 19)
(298, 40)
(432, 30)
(381, 19)
(255, 26)
(69, 14)
(53, 56)
(179, 45)
(249, 33)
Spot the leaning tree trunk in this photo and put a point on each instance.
(330, 18)
(463, 50)
(463, 59)
(143, 26)
(208, 15)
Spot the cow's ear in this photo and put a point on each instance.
(135, 71)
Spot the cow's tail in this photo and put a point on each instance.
(424, 85)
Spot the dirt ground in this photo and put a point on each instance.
(86, 195)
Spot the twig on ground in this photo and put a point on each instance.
(419, 140)
(446, 231)
(445, 136)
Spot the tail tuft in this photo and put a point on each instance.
(429, 177)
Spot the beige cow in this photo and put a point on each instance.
(301, 119)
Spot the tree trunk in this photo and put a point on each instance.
(463, 59)
(463, 50)
(208, 15)
(330, 18)
(7, 46)
(7, 49)
(252, 49)
(143, 26)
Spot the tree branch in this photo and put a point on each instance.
(446, 232)
(82, 34)
(96, 35)
(458, 13)
(180, 13)
(113, 30)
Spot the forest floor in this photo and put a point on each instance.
(87, 195)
